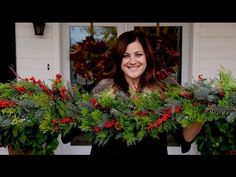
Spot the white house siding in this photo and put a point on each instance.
(35, 53)
(214, 45)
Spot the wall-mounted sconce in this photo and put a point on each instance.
(39, 28)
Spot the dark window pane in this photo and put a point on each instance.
(167, 45)
(89, 48)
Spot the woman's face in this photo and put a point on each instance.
(134, 61)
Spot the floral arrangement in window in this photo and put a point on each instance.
(90, 59)
(167, 51)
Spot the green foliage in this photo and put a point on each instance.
(217, 138)
(29, 137)
(107, 116)
(24, 104)
(33, 115)
(228, 83)
(226, 80)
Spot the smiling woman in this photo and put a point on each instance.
(134, 63)
(135, 72)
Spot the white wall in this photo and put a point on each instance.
(34, 53)
(214, 45)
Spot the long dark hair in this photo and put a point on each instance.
(148, 77)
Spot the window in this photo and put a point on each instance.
(166, 42)
(83, 47)
(89, 53)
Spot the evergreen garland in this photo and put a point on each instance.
(106, 116)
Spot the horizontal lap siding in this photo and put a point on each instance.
(34, 53)
(217, 47)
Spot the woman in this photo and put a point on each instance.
(134, 71)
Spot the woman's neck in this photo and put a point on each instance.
(133, 84)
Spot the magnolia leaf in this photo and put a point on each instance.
(15, 132)
(22, 138)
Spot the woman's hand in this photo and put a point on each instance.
(191, 131)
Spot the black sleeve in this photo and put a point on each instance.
(185, 146)
(69, 136)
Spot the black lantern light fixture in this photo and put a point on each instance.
(39, 28)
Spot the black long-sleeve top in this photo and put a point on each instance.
(147, 147)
